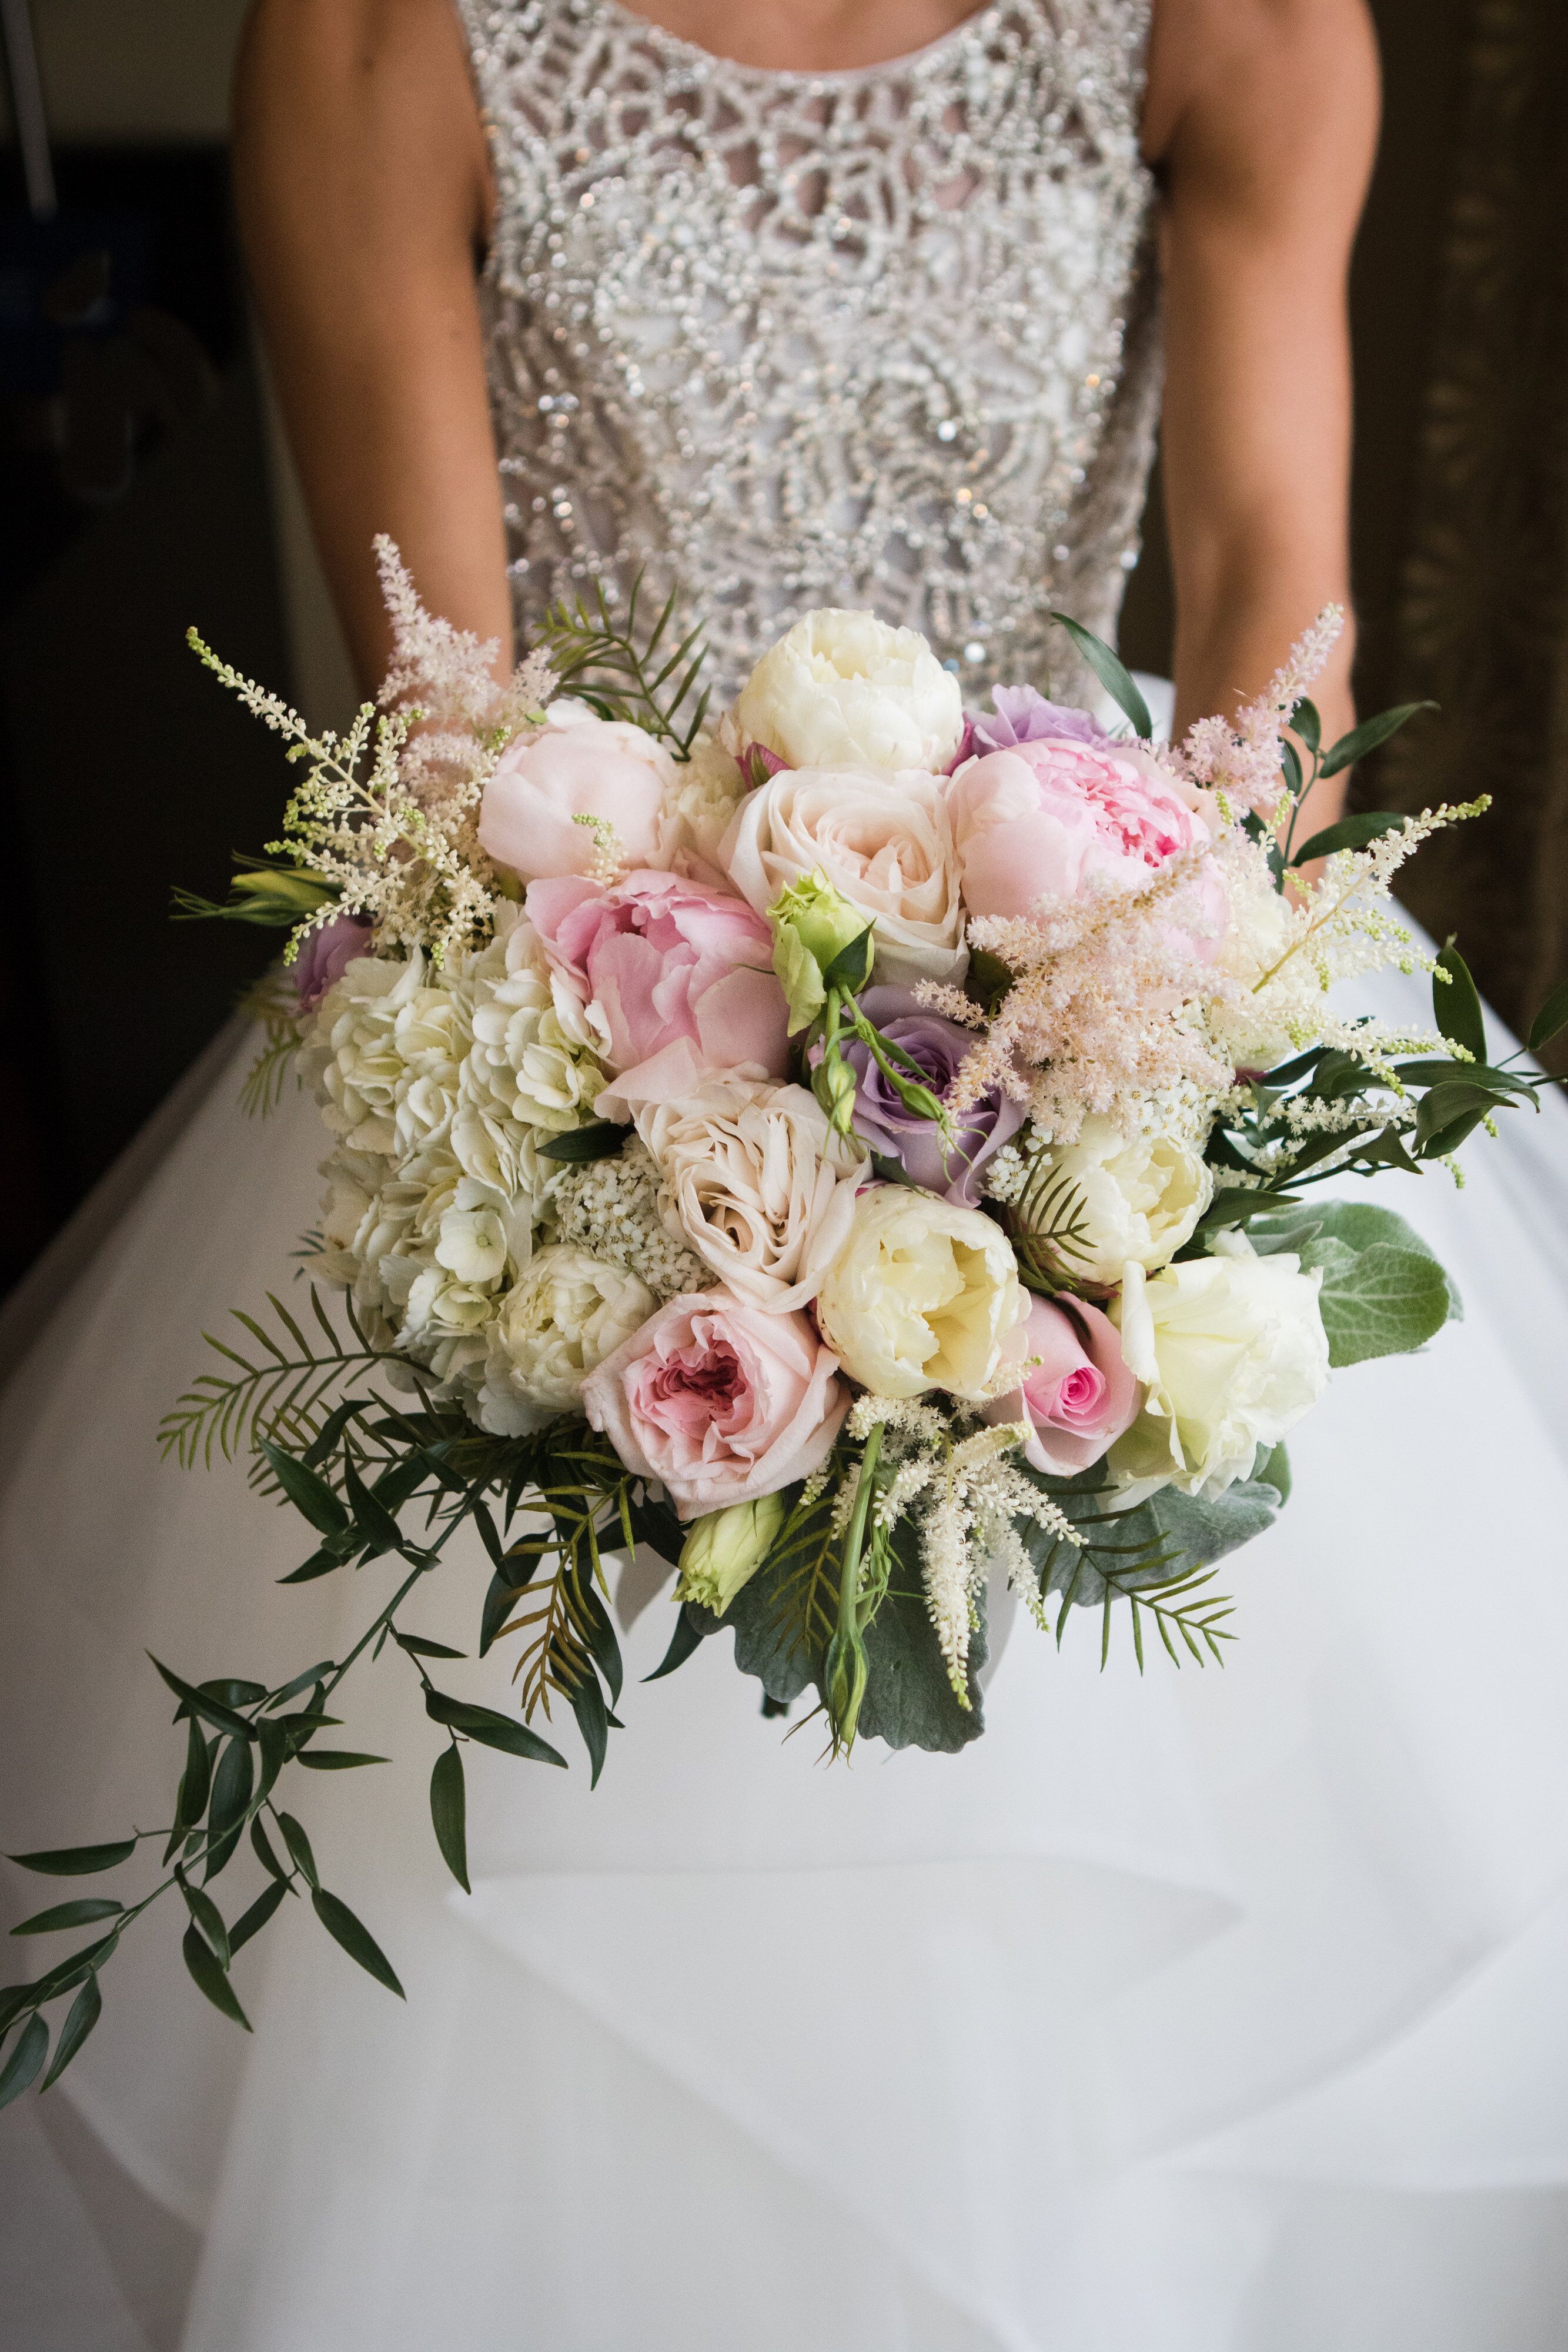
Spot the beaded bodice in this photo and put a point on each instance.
(884, 337)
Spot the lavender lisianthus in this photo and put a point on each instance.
(882, 1122)
(325, 955)
(1023, 716)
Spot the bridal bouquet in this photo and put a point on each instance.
(862, 1149)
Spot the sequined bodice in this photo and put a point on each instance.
(885, 337)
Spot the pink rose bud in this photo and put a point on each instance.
(1079, 1396)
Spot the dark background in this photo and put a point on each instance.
(139, 493)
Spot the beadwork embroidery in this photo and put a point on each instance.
(885, 337)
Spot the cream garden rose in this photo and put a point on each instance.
(1139, 1199)
(1231, 1351)
(923, 1294)
(758, 1185)
(568, 1313)
(847, 691)
(883, 840)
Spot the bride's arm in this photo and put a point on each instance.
(1261, 118)
(363, 192)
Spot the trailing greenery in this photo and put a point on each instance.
(598, 657)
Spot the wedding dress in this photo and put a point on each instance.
(1197, 2013)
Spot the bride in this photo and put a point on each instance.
(1191, 2012)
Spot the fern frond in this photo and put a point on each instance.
(1048, 1225)
(277, 1392)
(595, 658)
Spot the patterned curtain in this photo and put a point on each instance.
(1483, 610)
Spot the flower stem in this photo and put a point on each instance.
(847, 1666)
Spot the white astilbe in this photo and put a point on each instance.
(1239, 758)
(1106, 1007)
(386, 813)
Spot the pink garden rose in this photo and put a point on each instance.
(1052, 817)
(1080, 1396)
(326, 954)
(722, 1403)
(678, 980)
(579, 766)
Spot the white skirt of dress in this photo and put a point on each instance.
(1201, 2013)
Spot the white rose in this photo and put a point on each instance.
(846, 691)
(1140, 1199)
(924, 1296)
(883, 840)
(1232, 1352)
(567, 1314)
(758, 1186)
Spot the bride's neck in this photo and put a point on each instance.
(808, 35)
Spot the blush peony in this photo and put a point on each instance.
(580, 765)
(719, 1401)
(678, 980)
(1054, 817)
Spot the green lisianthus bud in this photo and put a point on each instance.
(270, 895)
(725, 1549)
(812, 924)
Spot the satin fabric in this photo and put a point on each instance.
(1181, 2014)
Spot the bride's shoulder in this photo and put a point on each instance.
(1258, 73)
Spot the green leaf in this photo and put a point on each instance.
(499, 1597)
(851, 968)
(207, 1917)
(1552, 1018)
(307, 1490)
(79, 1913)
(372, 1520)
(593, 1719)
(301, 1682)
(355, 1938)
(684, 1642)
(493, 1730)
(1477, 1074)
(1350, 833)
(1290, 761)
(77, 1861)
(250, 1922)
(81, 2018)
(909, 1701)
(320, 1563)
(449, 1813)
(232, 1785)
(209, 1977)
(27, 2056)
(1116, 679)
(600, 1138)
(1368, 736)
(299, 1845)
(262, 1845)
(1238, 1205)
(988, 980)
(1273, 1469)
(1384, 1292)
(200, 1702)
(1438, 1111)
(1304, 718)
(336, 1759)
(1457, 1005)
(196, 1780)
(418, 1647)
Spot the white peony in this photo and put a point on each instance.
(758, 1185)
(924, 1296)
(563, 1317)
(884, 841)
(1232, 1352)
(1139, 1199)
(846, 691)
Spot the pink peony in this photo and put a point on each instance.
(1080, 1396)
(678, 979)
(1052, 817)
(579, 766)
(721, 1404)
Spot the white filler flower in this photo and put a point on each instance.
(845, 689)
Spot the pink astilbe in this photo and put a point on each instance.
(1106, 1007)
(1240, 757)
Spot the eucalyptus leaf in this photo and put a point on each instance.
(1112, 674)
(909, 1700)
